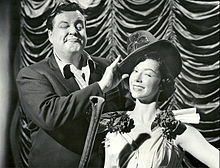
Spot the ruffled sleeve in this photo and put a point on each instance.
(188, 115)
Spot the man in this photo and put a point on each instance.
(54, 94)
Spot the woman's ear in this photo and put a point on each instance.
(158, 94)
(161, 86)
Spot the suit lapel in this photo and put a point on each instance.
(70, 84)
(96, 74)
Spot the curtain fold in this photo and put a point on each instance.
(192, 25)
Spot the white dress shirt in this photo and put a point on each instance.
(78, 73)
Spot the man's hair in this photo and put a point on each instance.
(60, 9)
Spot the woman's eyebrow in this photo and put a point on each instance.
(148, 69)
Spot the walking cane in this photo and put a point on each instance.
(97, 107)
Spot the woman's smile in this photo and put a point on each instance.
(137, 87)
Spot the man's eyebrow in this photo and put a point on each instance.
(62, 21)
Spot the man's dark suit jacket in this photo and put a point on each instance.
(57, 113)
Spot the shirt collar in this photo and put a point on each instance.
(62, 64)
(90, 61)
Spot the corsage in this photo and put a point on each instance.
(172, 121)
(116, 121)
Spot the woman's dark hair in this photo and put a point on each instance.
(167, 80)
(61, 8)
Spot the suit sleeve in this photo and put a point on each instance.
(44, 107)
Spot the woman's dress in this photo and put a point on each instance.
(156, 151)
(142, 149)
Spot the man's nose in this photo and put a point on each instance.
(72, 30)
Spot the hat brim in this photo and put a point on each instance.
(164, 49)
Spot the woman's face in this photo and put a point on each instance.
(144, 81)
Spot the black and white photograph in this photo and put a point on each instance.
(110, 84)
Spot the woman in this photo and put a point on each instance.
(148, 137)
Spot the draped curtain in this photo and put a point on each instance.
(192, 25)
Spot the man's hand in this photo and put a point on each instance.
(111, 77)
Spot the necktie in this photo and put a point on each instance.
(66, 71)
(83, 76)
(79, 77)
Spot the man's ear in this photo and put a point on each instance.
(50, 35)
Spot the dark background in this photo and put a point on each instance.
(192, 25)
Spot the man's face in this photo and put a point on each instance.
(69, 33)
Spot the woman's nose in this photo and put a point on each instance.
(138, 77)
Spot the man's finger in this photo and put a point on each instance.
(124, 76)
(115, 62)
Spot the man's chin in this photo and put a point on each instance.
(75, 48)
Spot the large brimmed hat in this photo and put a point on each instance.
(141, 43)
